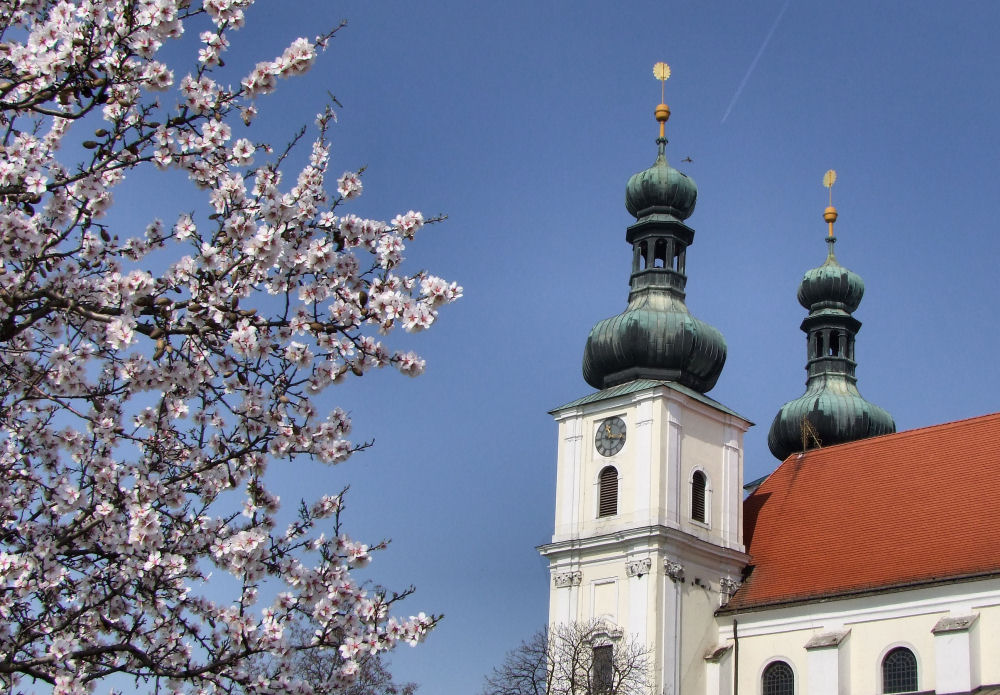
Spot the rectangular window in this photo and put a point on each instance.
(602, 669)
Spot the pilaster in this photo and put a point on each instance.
(826, 667)
(956, 654)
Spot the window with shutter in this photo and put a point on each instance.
(608, 502)
(699, 483)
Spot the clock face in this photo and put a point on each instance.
(610, 436)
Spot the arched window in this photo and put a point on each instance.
(608, 496)
(699, 486)
(899, 671)
(777, 679)
(660, 254)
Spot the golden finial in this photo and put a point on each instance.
(661, 71)
(830, 214)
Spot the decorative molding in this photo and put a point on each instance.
(674, 570)
(568, 578)
(727, 587)
(637, 568)
(606, 634)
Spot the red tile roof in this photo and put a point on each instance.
(890, 511)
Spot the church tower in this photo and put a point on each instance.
(831, 411)
(648, 523)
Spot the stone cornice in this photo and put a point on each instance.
(833, 600)
(657, 538)
(945, 597)
(656, 390)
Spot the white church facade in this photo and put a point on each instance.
(869, 565)
(646, 536)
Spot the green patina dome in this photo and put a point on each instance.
(832, 410)
(837, 413)
(654, 338)
(831, 286)
(661, 189)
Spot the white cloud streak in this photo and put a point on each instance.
(753, 64)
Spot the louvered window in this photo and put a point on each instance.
(778, 679)
(698, 485)
(603, 669)
(899, 671)
(608, 504)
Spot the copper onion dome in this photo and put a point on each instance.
(661, 189)
(832, 410)
(656, 337)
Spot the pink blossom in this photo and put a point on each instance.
(119, 334)
(160, 370)
(349, 185)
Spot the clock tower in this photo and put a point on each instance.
(648, 522)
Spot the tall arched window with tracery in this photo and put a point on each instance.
(899, 671)
(607, 504)
(777, 679)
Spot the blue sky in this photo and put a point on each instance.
(522, 122)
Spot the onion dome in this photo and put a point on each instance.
(661, 189)
(656, 337)
(832, 410)
(831, 285)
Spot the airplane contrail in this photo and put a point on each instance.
(753, 64)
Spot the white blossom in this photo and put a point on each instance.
(152, 377)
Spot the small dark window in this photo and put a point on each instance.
(603, 669)
(778, 679)
(899, 671)
(608, 504)
(698, 485)
(660, 254)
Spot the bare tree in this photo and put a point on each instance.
(590, 658)
(319, 667)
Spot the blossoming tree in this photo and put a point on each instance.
(140, 409)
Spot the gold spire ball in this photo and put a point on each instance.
(830, 214)
(661, 71)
